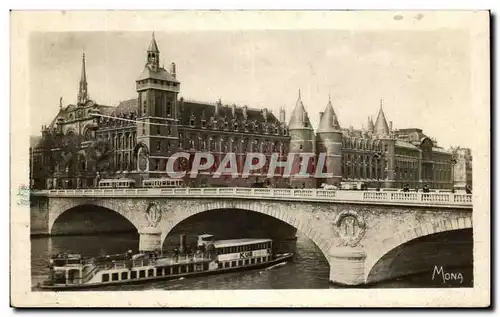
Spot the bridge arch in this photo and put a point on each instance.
(384, 246)
(62, 208)
(281, 213)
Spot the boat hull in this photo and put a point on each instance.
(248, 267)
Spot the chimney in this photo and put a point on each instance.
(282, 115)
(217, 105)
(264, 113)
(390, 125)
(233, 110)
(172, 69)
(245, 113)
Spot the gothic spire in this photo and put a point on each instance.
(381, 127)
(82, 89)
(153, 47)
(153, 54)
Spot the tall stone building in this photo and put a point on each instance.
(135, 139)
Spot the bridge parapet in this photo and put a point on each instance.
(319, 195)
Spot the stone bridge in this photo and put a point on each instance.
(357, 231)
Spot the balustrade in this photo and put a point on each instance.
(281, 193)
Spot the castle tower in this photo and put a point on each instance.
(302, 141)
(387, 159)
(82, 96)
(158, 110)
(329, 142)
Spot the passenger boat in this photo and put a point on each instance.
(73, 271)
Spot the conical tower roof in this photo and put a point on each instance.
(328, 121)
(381, 127)
(153, 47)
(299, 119)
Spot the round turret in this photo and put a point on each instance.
(329, 147)
(302, 141)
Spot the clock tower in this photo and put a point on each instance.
(157, 131)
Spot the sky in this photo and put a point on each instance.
(423, 76)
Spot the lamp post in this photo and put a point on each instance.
(378, 157)
(453, 162)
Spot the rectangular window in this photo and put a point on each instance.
(124, 276)
(151, 272)
(252, 261)
(226, 264)
(175, 270)
(105, 277)
(114, 277)
(246, 262)
(240, 262)
(220, 265)
(258, 260)
(133, 274)
(142, 273)
(233, 264)
(159, 271)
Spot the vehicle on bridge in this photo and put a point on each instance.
(353, 186)
(73, 271)
(328, 186)
(162, 183)
(117, 183)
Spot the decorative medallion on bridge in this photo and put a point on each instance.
(350, 227)
(153, 214)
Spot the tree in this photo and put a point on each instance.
(101, 155)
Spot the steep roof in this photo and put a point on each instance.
(328, 121)
(299, 119)
(160, 74)
(207, 111)
(126, 106)
(381, 127)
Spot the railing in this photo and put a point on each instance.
(182, 259)
(354, 196)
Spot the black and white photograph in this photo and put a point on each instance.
(340, 159)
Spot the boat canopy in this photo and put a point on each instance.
(238, 242)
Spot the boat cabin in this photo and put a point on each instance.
(242, 252)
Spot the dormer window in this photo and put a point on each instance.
(235, 125)
(191, 121)
(226, 125)
(276, 130)
(203, 123)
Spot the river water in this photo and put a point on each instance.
(308, 270)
